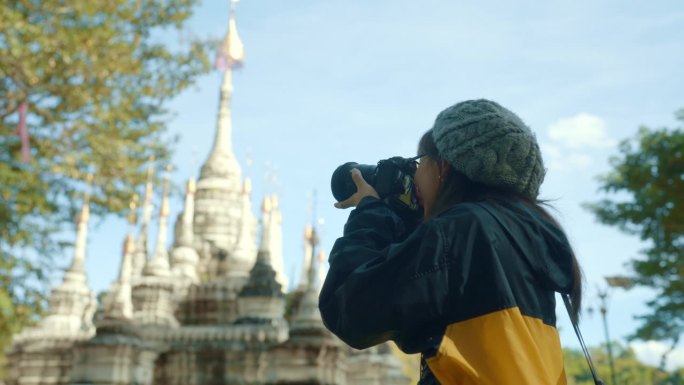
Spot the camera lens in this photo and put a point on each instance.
(342, 184)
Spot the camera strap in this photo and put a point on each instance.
(568, 307)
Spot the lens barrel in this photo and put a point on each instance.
(342, 184)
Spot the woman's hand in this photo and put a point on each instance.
(363, 189)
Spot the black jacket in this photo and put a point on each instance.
(472, 289)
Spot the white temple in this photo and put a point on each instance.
(211, 310)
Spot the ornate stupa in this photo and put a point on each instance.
(209, 306)
(47, 350)
(218, 218)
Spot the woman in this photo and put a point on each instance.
(473, 287)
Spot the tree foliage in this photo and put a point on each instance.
(628, 370)
(96, 76)
(646, 188)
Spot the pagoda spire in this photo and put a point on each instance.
(265, 244)
(219, 187)
(126, 270)
(154, 290)
(306, 316)
(72, 304)
(321, 271)
(309, 244)
(187, 234)
(246, 248)
(262, 296)
(118, 303)
(276, 240)
(140, 255)
(221, 161)
(183, 256)
(77, 269)
(76, 272)
(311, 271)
(158, 265)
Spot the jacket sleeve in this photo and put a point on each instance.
(385, 283)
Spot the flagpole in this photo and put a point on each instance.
(22, 131)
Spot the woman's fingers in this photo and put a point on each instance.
(345, 203)
(363, 189)
(360, 183)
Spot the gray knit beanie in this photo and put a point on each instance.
(490, 145)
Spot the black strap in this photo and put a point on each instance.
(568, 306)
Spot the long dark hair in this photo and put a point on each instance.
(456, 188)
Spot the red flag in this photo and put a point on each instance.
(22, 131)
(220, 62)
(231, 52)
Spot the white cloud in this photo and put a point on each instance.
(580, 131)
(557, 159)
(571, 137)
(550, 151)
(650, 352)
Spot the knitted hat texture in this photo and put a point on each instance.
(490, 145)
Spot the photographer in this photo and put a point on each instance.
(473, 286)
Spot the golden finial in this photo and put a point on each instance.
(266, 207)
(150, 175)
(308, 232)
(164, 212)
(129, 244)
(85, 213)
(165, 197)
(247, 186)
(314, 237)
(150, 168)
(132, 214)
(192, 186)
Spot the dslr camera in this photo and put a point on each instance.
(392, 178)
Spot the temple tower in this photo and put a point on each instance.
(184, 257)
(153, 292)
(46, 351)
(140, 255)
(218, 215)
(115, 355)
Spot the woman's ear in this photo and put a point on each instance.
(444, 167)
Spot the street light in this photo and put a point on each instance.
(614, 281)
(603, 295)
(621, 282)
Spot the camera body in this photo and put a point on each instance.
(392, 179)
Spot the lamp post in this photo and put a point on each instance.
(603, 295)
(614, 281)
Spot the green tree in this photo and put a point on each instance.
(95, 76)
(646, 189)
(628, 370)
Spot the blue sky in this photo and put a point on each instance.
(326, 82)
